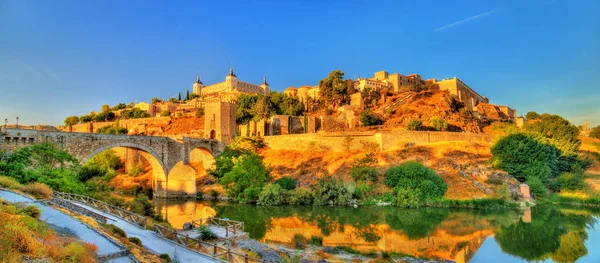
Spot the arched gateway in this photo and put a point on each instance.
(169, 158)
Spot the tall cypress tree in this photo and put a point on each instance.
(187, 94)
(179, 97)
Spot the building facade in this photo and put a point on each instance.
(231, 84)
(219, 120)
(461, 91)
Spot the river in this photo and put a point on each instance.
(539, 234)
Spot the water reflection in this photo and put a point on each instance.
(537, 234)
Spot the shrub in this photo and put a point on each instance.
(414, 125)
(413, 175)
(595, 133)
(214, 194)
(272, 194)
(286, 183)
(141, 205)
(9, 183)
(364, 169)
(117, 231)
(78, 252)
(135, 240)
(165, 113)
(300, 196)
(112, 130)
(299, 241)
(501, 191)
(165, 257)
(570, 181)
(200, 112)
(31, 210)
(407, 197)
(316, 241)
(537, 187)
(90, 171)
(439, 124)
(368, 118)
(465, 113)
(361, 190)
(204, 233)
(136, 169)
(330, 190)
(38, 190)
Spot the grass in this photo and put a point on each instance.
(26, 238)
(484, 203)
(37, 190)
(573, 200)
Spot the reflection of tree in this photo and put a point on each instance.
(368, 233)
(416, 223)
(257, 219)
(550, 234)
(571, 247)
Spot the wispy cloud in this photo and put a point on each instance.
(38, 73)
(466, 20)
(52, 75)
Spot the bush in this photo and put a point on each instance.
(299, 241)
(439, 124)
(141, 205)
(364, 169)
(465, 113)
(368, 118)
(300, 196)
(330, 190)
(112, 130)
(204, 233)
(117, 231)
(407, 197)
(90, 171)
(135, 240)
(286, 183)
(165, 113)
(38, 190)
(9, 183)
(413, 175)
(200, 112)
(165, 257)
(31, 210)
(272, 194)
(214, 194)
(136, 169)
(361, 190)
(570, 181)
(316, 241)
(414, 125)
(537, 187)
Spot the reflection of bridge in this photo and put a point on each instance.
(164, 154)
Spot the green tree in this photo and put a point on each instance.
(173, 100)
(368, 118)
(244, 108)
(561, 131)
(595, 133)
(112, 129)
(331, 190)
(224, 162)
(156, 100)
(105, 108)
(246, 179)
(71, 120)
(532, 115)
(271, 194)
(334, 90)
(179, 96)
(187, 95)
(261, 110)
(165, 113)
(523, 154)
(364, 170)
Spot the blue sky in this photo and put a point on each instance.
(61, 58)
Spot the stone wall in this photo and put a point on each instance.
(131, 125)
(359, 141)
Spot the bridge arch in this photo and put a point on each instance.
(159, 169)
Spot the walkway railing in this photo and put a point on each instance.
(230, 226)
(211, 249)
(105, 207)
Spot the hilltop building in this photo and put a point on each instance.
(303, 92)
(230, 85)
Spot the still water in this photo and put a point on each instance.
(539, 234)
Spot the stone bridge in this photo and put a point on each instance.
(169, 158)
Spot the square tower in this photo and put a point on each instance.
(219, 120)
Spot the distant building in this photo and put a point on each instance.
(461, 91)
(303, 92)
(219, 120)
(231, 84)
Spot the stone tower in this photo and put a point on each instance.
(219, 120)
(231, 80)
(197, 86)
(265, 86)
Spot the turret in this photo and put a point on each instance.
(197, 86)
(265, 86)
(231, 80)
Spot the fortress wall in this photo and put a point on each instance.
(384, 140)
(126, 123)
